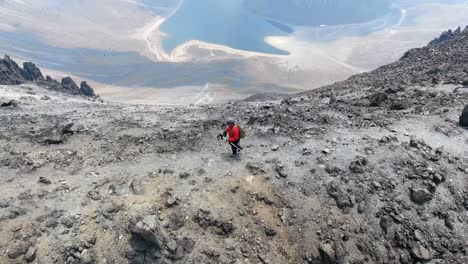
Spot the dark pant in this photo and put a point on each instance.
(235, 147)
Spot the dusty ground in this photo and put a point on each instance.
(316, 183)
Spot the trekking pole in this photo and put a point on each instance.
(230, 143)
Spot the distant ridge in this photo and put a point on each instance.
(12, 74)
(443, 61)
(448, 35)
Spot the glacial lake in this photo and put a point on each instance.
(222, 22)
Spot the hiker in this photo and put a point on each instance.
(233, 136)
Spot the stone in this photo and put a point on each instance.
(327, 252)
(418, 235)
(72, 128)
(52, 135)
(51, 222)
(137, 187)
(4, 203)
(449, 223)
(86, 257)
(306, 152)
(17, 250)
(255, 168)
(67, 221)
(281, 170)
(385, 223)
(332, 98)
(168, 171)
(148, 238)
(170, 199)
(44, 180)
(184, 175)
(376, 185)
(326, 151)
(95, 195)
(421, 253)
(464, 117)
(438, 179)
(110, 208)
(10, 103)
(176, 220)
(333, 170)
(275, 147)
(400, 105)
(270, 232)
(420, 196)
(464, 81)
(30, 254)
(377, 99)
(358, 165)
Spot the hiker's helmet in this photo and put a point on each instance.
(230, 121)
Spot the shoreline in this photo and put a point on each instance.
(179, 54)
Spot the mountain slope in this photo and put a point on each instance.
(370, 170)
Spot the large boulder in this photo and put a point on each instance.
(152, 245)
(464, 117)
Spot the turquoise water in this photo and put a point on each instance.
(224, 22)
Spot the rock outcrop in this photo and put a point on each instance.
(12, 74)
(86, 89)
(446, 36)
(31, 72)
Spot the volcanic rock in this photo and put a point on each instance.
(420, 195)
(464, 117)
(255, 168)
(10, 72)
(421, 253)
(137, 187)
(30, 254)
(9, 103)
(17, 250)
(44, 180)
(86, 90)
(31, 72)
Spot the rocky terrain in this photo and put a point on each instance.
(11, 74)
(370, 170)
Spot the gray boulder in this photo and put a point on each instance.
(420, 196)
(147, 240)
(137, 187)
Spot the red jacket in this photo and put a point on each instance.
(234, 133)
